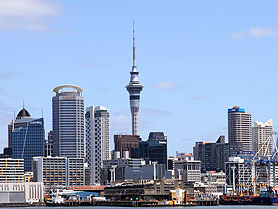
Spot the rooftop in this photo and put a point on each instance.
(23, 114)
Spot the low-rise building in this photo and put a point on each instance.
(121, 169)
(238, 172)
(11, 170)
(21, 192)
(214, 182)
(214, 177)
(188, 169)
(59, 171)
(125, 169)
(146, 190)
(28, 177)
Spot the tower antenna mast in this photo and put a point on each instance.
(134, 88)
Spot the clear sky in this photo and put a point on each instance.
(196, 59)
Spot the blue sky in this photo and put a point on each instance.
(196, 59)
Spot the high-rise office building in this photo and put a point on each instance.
(154, 149)
(27, 138)
(239, 130)
(10, 131)
(68, 121)
(212, 155)
(260, 135)
(128, 143)
(134, 88)
(48, 148)
(97, 140)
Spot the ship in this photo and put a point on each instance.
(69, 198)
(247, 200)
(264, 198)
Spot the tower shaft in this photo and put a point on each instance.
(134, 88)
(134, 115)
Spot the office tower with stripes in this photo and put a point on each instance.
(68, 121)
(239, 130)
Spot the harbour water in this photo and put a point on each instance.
(196, 207)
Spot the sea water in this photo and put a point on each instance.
(195, 207)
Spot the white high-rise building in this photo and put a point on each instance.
(260, 134)
(97, 140)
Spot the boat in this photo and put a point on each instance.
(263, 198)
(69, 198)
(245, 200)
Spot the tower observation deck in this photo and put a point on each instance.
(134, 88)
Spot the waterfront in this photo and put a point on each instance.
(195, 207)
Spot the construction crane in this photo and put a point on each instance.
(264, 161)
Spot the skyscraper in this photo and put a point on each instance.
(10, 130)
(97, 140)
(134, 88)
(154, 149)
(260, 134)
(48, 146)
(68, 121)
(27, 138)
(212, 155)
(239, 130)
(128, 143)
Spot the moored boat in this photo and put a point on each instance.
(245, 200)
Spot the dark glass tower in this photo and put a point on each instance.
(154, 149)
(27, 138)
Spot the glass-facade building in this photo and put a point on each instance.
(68, 121)
(154, 149)
(27, 138)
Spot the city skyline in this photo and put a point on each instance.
(188, 79)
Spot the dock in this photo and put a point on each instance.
(154, 203)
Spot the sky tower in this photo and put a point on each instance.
(134, 88)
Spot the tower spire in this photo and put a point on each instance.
(134, 88)
(133, 46)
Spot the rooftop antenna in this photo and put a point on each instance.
(23, 104)
(133, 44)
(42, 112)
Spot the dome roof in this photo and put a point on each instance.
(23, 114)
(236, 107)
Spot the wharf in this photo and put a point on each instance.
(207, 202)
(15, 205)
(154, 203)
(127, 203)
